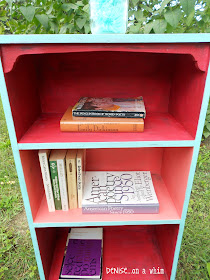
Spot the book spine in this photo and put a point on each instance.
(79, 181)
(103, 127)
(46, 181)
(55, 184)
(72, 182)
(62, 184)
(153, 209)
(83, 113)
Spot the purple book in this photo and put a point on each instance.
(82, 259)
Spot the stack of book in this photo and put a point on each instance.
(105, 115)
(83, 254)
(63, 178)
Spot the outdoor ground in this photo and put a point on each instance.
(17, 259)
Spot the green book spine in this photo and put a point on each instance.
(55, 184)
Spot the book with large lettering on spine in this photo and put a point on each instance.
(110, 107)
(119, 192)
(83, 254)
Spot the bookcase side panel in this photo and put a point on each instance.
(22, 86)
(33, 179)
(175, 172)
(187, 92)
(167, 237)
(13, 139)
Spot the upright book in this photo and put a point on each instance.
(81, 160)
(110, 107)
(71, 170)
(83, 254)
(90, 124)
(43, 160)
(119, 192)
(54, 179)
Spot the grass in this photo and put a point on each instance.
(17, 259)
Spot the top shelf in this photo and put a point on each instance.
(105, 38)
(43, 80)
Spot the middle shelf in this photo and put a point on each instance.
(169, 168)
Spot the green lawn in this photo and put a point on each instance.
(17, 259)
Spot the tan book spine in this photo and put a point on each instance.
(71, 168)
(102, 127)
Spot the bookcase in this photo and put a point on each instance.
(41, 75)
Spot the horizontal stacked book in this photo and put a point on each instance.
(105, 115)
(83, 254)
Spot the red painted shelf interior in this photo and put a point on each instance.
(158, 127)
(169, 168)
(133, 247)
(42, 81)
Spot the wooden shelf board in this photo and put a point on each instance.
(158, 127)
(167, 213)
(135, 248)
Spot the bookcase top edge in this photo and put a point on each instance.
(105, 38)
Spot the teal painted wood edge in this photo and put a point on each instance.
(110, 223)
(192, 171)
(89, 145)
(13, 139)
(105, 38)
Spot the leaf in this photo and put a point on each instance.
(28, 12)
(188, 6)
(134, 29)
(146, 8)
(165, 2)
(80, 3)
(69, 6)
(135, 2)
(190, 18)
(86, 8)
(9, 2)
(138, 15)
(87, 28)
(208, 268)
(173, 17)
(81, 22)
(148, 27)
(43, 19)
(159, 26)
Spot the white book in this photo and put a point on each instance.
(119, 192)
(81, 158)
(62, 179)
(43, 160)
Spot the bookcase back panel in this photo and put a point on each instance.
(48, 79)
(132, 159)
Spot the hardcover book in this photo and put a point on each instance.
(43, 160)
(71, 170)
(90, 124)
(81, 159)
(110, 107)
(119, 192)
(83, 254)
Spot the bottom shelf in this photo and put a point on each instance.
(145, 252)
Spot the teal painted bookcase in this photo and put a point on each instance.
(41, 75)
